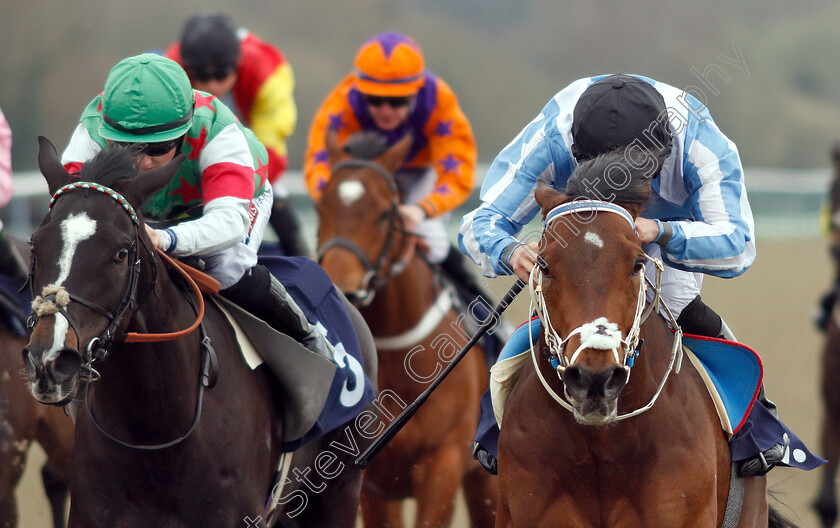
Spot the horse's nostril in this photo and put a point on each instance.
(67, 364)
(615, 382)
(576, 382)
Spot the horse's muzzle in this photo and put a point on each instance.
(594, 395)
(54, 379)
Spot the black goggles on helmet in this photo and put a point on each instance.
(154, 150)
(394, 102)
(211, 73)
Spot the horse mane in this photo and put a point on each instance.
(366, 145)
(110, 166)
(621, 176)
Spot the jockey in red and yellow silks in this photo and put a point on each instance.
(392, 93)
(262, 96)
(254, 79)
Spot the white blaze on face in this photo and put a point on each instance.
(593, 239)
(350, 191)
(74, 229)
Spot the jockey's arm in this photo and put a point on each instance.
(488, 235)
(6, 188)
(224, 224)
(334, 113)
(274, 116)
(453, 154)
(722, 241)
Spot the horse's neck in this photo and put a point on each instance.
(401, 302)
(153, 374)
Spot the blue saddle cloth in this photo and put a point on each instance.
(312, 289)
(14, 306)
(735, 370)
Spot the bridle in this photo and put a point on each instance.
(606, 336)
(374, 277)
(54, 299)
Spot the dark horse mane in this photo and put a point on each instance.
(620, 176)
(110, 166)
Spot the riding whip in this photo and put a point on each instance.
(400, 421)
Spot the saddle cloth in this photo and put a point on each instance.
(318, 395)
(732, 372)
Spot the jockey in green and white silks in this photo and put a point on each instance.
(221, 184)
(219, 200)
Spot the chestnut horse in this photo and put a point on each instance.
(365, 249)
(22, 421)
(567, 456)
(174, 428)
(826, 500)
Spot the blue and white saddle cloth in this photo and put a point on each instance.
(733, 373)
(314, 292)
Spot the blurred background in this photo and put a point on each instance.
(768, 70)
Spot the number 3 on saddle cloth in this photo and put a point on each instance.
(733, 374)
(350, 390)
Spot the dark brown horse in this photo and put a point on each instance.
(826, 500)
(365, 249)
(171, 433)
(567, 455)
(22, 421)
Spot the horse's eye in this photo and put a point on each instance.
(543, 268)
(121, 255)
(638, 267)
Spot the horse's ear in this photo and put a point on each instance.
(335, 152)
(393, 158)
(548, 197)
(55, 174)
(144, 185)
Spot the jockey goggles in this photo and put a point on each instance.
(377, 101)
(153, 149)
(204, 75)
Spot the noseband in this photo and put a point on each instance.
(606, 335)
(374, 278)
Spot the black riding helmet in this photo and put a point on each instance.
(209, 43)
(615, 111)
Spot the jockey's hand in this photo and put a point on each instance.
(153, 236)
(412, 215)
(523, 259)
(647, 229)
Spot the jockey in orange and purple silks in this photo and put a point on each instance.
(391, 92)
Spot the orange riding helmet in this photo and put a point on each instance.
(390, 65)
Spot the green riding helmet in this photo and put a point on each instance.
(147, 99)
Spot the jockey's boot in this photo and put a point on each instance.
(284, 222)
(259, 292)
(11, 262)
(458, 268)
(699, 319)
(824, 309)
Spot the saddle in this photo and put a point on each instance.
(317, 394)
